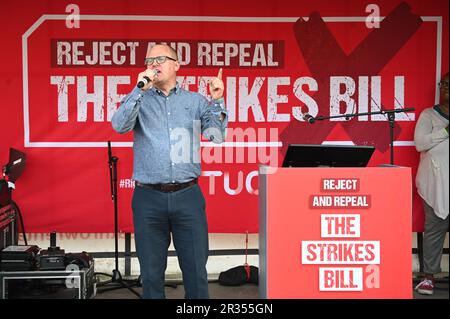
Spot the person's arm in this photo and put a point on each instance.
(214, 116)
(125, 117)
(214, 119)
(424, 137)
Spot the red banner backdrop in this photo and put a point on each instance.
(66, 67)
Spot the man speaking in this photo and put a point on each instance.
(167, 198)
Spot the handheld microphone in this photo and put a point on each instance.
(309, 118)
(145, 80)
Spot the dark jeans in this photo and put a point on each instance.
(155, 215)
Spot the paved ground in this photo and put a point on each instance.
(248, 291)
(174, 290)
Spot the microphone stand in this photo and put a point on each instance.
(116, 277)
(391, 119)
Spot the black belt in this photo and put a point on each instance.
(168, 188)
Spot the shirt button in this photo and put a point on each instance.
(167, 98)
(173, 181)
(173, 164)
(168, 113)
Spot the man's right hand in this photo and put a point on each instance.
(151, 74)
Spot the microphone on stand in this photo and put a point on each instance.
(145, 80)
(308, 118)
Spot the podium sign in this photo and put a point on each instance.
(335, 232)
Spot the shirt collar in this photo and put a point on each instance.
(175, 90)
(438, 109)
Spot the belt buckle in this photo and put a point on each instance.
(168, 188)
(174, 187)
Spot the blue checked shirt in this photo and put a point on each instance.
(167, 132)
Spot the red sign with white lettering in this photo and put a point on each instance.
(348, 249)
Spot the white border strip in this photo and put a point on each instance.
(91, 17)
(25, 36)
(438, 58)
(242, 144)
(202, 144)
(130, 144)
(396, 143)
(26, 114)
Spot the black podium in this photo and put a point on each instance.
(311, 155)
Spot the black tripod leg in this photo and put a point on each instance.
(391, 117)
(124, 284)
(116, 277)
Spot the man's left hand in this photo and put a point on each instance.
(216, 86)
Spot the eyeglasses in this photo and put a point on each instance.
(159, 59)
(443, 85)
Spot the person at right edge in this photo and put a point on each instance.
(431, 140)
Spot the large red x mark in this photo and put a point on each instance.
(325, 58)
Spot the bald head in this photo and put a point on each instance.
(164, 47)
